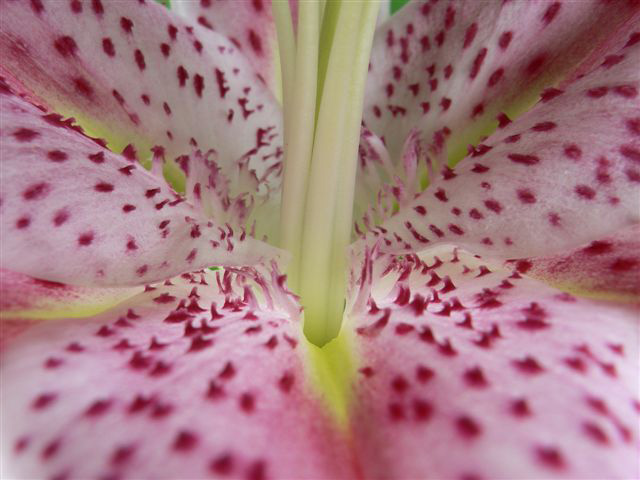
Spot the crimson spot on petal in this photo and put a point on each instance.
(25, 134)
(468, 427)
(185, 441)
(57, 156)
(107, 46)
(585, 192)
(66, 46)
(505, 39)
(36, 191)
(85, 239)
(550, 457)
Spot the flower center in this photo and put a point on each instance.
(324, 68)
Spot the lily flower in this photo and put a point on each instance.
(425, 241)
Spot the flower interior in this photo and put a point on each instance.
(324, 74)
(289, 240)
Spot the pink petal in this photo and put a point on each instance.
(562, 175)
(25, 301)
(248, 24)
(134, 73)
(470, 371)
(450, 67)
(22, 296)
(237, 197)
(379, 190)
(73, 212)
(187, 380)
(608, 267)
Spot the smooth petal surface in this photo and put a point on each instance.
(134, 73)
(470, 371)
(608, 267)
(562, 175)
(449, 68)
(73, 212)
(187, 380)
(247, 23)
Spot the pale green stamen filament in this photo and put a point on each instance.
(321, 143)
(299, 108)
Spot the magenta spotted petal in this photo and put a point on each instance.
(540, 185)
(247, 23)
(136, 74)
(86, 216)
(456, 360)
(191, 379)
(473, 371)
(608, 266)
(449, 68)
(460, 359)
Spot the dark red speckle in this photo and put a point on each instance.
(122, 454)
(126, 24)
(60, 217)
(572, 151)
(43, 401)
(550, 457)
(198, 84)
(97, 157)
(535, 65)
(520, 408)
(495, 77)
(57, 156)
(257, 471)
(25, 134)
(598, 248)
(467, 427)
(36, 191)
(493, 205)
(551, 12)
(422, 410)
(37, 6)
(286, 382)
(623, 264)
(543, 126)
(584, 191)
(254, 41)
(470, 34)
(526, 196)
(66, 46)
(222, 465)
(185, 441)
(139, 58)
(83, 87)
(523, 159)
(76, 6)
(85, 239)
(97, 7)
(474, 377)
(23, 222)
(505, 40)
(99, 407)
(528, 365)
(103, 187)
(247, 402)
(630, 152)
(477, 63)
(596, 433)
